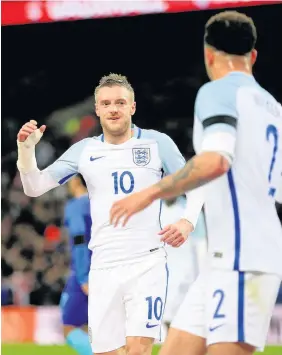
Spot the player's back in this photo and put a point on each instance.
(243, 227)
(78, 223)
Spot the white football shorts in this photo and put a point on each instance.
(126, 300)
(229, 306)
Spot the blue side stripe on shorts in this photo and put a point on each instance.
(241, 307)
(241, 281)
(167, 276)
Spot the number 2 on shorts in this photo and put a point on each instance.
(219, 295)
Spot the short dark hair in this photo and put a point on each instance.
(114, 80)
(231, 32)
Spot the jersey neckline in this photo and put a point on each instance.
(136, 134)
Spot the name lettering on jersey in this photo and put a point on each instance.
(272, 107)
(141, 156)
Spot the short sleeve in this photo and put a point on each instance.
(67, 165)
(215, 108)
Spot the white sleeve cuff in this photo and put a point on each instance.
(26, 158)
(194, 205)
(36, 182)
(222, 142)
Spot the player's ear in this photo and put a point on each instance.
(133, 108)
(97, 110)
(209, 55)
(254, 54)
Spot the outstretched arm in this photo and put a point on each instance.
(197, 172)
(36, 182)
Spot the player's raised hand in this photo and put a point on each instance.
(127, 207)
(176, 234)
(31, 131)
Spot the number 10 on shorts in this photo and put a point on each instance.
(155, 308)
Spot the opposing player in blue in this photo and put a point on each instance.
(74, 299)
(238, 141)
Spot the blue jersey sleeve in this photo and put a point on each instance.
(79, 226)
(215, 106)
(67, 165)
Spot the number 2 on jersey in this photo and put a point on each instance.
(271, 130)
(119, 182)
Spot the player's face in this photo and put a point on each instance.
(115, 106)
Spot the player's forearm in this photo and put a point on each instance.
(198, 171)
(194, 205)
(35, 182)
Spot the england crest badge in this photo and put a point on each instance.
(141, 156)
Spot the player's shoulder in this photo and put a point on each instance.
(83, 142)
(157, 136)
(264, 97)
(76, 148)
(226, 86)
(219, 97)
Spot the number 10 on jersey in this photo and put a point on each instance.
(123, 182)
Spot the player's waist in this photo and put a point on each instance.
(106, 258)
(255, 257)
(101, 235)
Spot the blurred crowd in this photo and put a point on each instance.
(34, 259)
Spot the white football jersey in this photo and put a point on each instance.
(236, 116)
(112, 172)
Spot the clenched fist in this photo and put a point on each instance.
(27, 130)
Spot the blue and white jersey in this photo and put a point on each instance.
(236, 116)
(112, 172)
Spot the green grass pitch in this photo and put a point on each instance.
(32, 349)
